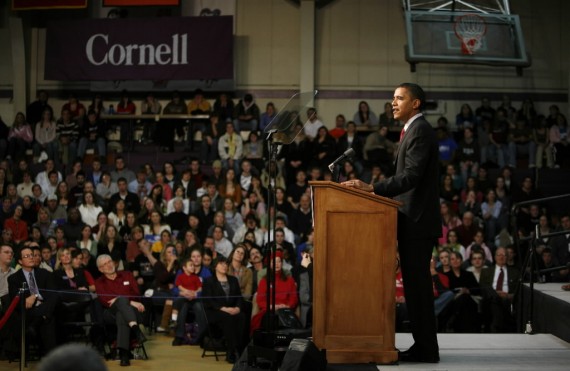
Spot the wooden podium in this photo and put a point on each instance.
(354, 274)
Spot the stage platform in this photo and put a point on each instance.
(551, 309)
(491, 352)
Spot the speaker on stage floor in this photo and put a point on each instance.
(303, 355)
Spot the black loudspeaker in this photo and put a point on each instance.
(303, 355)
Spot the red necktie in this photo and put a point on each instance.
(402, 133)
(500, 280)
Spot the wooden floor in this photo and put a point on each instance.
(458, 352)
(162, 357)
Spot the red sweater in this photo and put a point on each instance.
(286, 293)
(124, 284)
(19, 229)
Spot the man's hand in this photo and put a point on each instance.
(138, 306)
(358, 184)
(30, 301)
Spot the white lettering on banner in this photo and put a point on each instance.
(148, 54)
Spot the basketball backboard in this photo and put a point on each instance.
(470, 36)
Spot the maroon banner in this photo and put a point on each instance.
(158, 49)
(47, 4)
(140, 2)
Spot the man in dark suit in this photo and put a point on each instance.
(415, 184)
(561, 244)
(41, 298)
(499, 284)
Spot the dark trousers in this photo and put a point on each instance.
(121, 313)
(415, 258)
(39, 321)
(232, 327)
(497, 314)
(185, 308)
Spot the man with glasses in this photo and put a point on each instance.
(118, 292)
(498, 285)
(40, 299)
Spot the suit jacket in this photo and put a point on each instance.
(44, 281)
(215, 297)
(416, 183)
(487, 275)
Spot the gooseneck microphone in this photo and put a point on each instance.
(348, 153)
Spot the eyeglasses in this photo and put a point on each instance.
(27, 256)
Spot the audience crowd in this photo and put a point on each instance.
(191, 244)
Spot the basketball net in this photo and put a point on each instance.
(470, 29)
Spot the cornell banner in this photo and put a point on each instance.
(161, 49)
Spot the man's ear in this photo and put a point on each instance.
(416, 104)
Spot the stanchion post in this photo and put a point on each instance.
(22, 294)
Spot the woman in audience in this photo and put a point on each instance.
(126, 105)
(110, 243)
(97, 105)
(118, 216)
(285, 292)
(283, 205)
(156, 195)
(465, 317)
(443, 258)
(267, 116)
(44, 223)
(20, 137)
(364, 116)
(470, 204)
(220, 221)
(133, 245)
(165, 240)
(89, 209)
(87, 241)
(448, 193)
(71, 178)
(471, 185)
(106, 188)
(253, 150)
(449, 220)
(453, 244)
(491, 211)
(62, 193)
(323, 148)
(166, 188)
(238, 260)
(154, 229)
(170, 175)
(387, 117)
(230, 188)
(178, 193)
(479, 243)
(66, 277)
(222, 302)
(146, 211)
(233, 218)
(258, 188)
(465, 117)
(46, 137)
(252, 204)
(101, 227)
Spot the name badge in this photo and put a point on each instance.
(126, 283)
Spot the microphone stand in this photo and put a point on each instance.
(265, 338)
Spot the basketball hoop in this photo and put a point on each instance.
(470, 29)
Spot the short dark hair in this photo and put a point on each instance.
(416, 92)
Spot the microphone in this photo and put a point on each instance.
(348, 153)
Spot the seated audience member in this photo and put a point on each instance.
(364, 116)
(547, 261)
(477, 259)
(285, 292)
(20, 137)
(117, 292)
(491, 212)
(498, 284)
(478, 243)
(40, 300)
(92, 136)
(246, 114)
(230, 148)
(301, 219)
(189, 282)
(464, 309)
(222, 302)
(251, 224)
(258, 271)
(6, 255)
(18, 226)
(195, 306)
